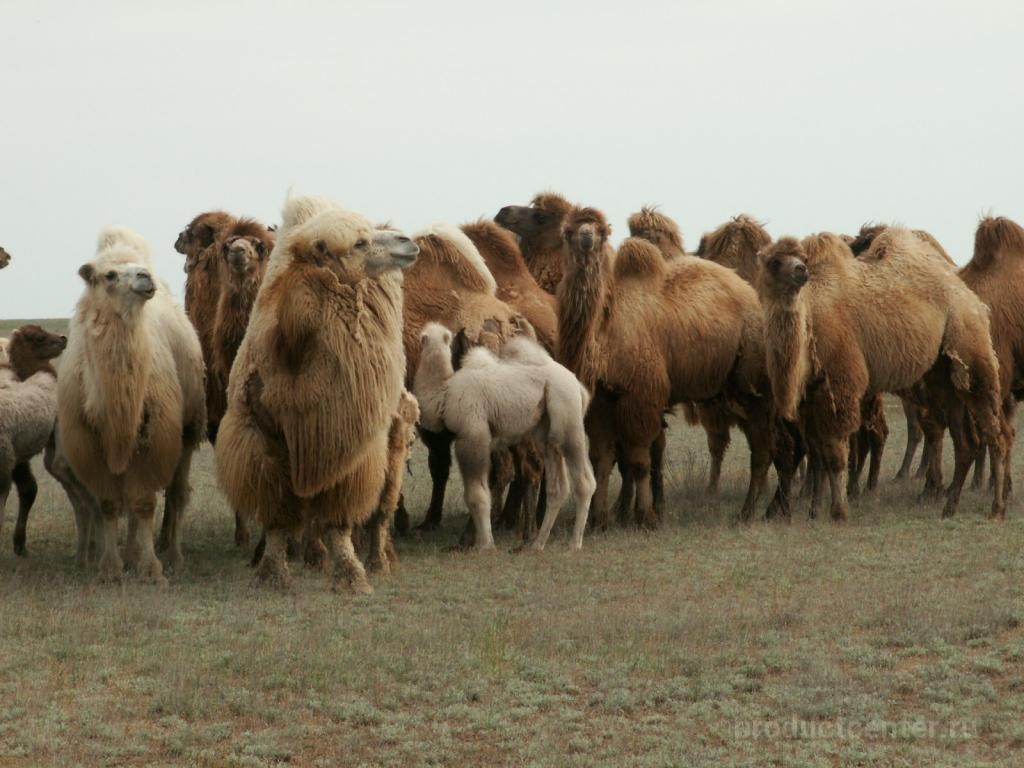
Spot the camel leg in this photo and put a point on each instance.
(623, 511)
(500, 477)
(5, 490)
(509, 518)
(718, 442)
(27, 489)
(558, 489)
(965, 450)
(147, 566)
(242, 534)
(836, 461)
(857, 451)
(132, 553)
(176, 499)
(473, 454)
(348, 574)
(110, 566)
(788, 451)
(273, 564)
(378, 560)
(439, 461)
(528, 520)
(581, 475)
(757, 430)
(978, 480)
(600, 430)
(914, 435)
(875, 467)
(658, 473)
(85, 508)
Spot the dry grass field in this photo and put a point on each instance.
(897, 640)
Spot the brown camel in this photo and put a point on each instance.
(626, 325)
(840, 329)
(539, 226)
(244, 246)
(995, 273)
(304, 444)
(203, 270)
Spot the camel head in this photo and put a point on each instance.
(540, 222)
(349, 246)
(5, 258)
(435, 343)
(125, 285)
(200, 234)
(245, 256)
(658, 229)
(586, 233)
(783, 267)
(34, 340)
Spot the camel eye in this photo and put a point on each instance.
(110, 276)
(361, 243)
(260, 248)
(773, 264)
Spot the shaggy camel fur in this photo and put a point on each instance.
(644, 335)
(5, 258)
(996, 274)
(495, 402)
(735, 245)
(515, 285)
(244, 246)
(304, 443)
(4, 343)
(539, 226)
(869, 325)
(28, 408)
(449, 284)
(204, 268)
(130, 402)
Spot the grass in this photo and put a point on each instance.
(897, 640)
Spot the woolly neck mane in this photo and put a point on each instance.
(115, 388)
(585, 296)
(448, 247)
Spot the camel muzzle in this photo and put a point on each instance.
(587, 241)
(144, 286)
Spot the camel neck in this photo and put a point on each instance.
(581, 300)
(788, 345)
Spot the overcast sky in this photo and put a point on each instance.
(810, 115)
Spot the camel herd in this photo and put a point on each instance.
(314, 353)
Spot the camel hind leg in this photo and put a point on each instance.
(176, 498)
(557, 490)
(473, 454)
(836, 461)
(757, 430)
(27, 489)
(914, 436)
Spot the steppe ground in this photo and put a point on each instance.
(894, 641)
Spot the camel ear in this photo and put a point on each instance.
(204, 234)
(321, 252)
(86, 272)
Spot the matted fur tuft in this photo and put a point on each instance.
(458, 240)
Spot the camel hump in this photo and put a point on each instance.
(455, 248)
(997, 237)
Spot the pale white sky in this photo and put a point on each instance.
(808, 114)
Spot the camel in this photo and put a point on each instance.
(494, 402)
(643, 335)
(28, 408)
(204, 266)
(994, 273)
(314, 386)
(515, 285)
(131, 410)
(839, 330)
(449, 284)
(244, 246)
(734, 244)
(539, 227)
(5, 258)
